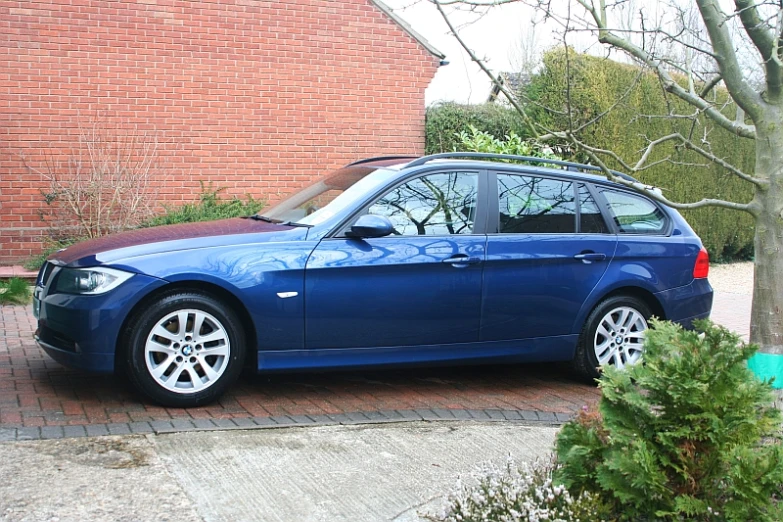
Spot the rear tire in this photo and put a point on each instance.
(613, 334)
(185, 349)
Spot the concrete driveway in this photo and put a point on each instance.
(368, 453)
(392, 472)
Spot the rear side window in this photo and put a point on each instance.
(533, 205)
(635, 214)
(590, 219)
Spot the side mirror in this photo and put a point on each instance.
(370, 226)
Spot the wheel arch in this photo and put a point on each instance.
(638, 292)
(211, 289)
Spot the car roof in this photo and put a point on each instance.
(478, 160)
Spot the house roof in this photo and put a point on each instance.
(514, 82)
(408, 29)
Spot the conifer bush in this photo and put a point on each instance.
(690, 434)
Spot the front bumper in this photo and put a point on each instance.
(81, 331)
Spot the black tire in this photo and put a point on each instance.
(585, 360)
(198, 387)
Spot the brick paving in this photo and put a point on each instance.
(39, 399)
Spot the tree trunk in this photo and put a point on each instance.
(766, 319)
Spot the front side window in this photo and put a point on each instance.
(635, 214)
(533, 205)
(433, 205)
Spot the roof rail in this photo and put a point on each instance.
(568, 165)
(379, 158)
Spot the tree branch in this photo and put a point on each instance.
(765, 41)
(715, 22)
(592, 153)
(746, 96)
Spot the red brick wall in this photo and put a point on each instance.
(255, 96)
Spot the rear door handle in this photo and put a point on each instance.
(461, 259)
(589, 257)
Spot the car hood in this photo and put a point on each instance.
(162, 239)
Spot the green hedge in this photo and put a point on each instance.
(446, 120)
(596, 85)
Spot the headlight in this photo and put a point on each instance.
(89, 280)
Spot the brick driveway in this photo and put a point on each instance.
(41, 399)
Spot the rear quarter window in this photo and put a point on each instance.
(634, 214)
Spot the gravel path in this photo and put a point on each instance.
(733, 285)
(732, 278)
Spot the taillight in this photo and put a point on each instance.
(702, 267)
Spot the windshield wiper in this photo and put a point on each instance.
(258, 217)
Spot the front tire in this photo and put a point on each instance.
(613, 334)
(185, 349)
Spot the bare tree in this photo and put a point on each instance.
(105, 184)
(693, 50)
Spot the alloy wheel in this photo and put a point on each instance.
(187, 351)
(619, 338)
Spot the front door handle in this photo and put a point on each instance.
(461, 260)
(589, 257)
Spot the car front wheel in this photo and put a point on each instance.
(185, 349)
(613, 335)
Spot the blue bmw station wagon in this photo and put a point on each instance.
(452, 258)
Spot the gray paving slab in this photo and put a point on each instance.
(74, 431)
(381, 472)
(52, 432)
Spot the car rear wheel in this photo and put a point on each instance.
(185, 349)
(613, 335)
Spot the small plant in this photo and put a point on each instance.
(14, 291)
(520, 493)
(480, 141)
(210, 207)
(691, 434)
(52, 246)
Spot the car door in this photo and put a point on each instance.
(419, 286)
(548, 247)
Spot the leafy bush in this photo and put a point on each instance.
(209, 207)
(475, 140)
(446, 121)
(691, 434)
(14, 291)
(520, 493)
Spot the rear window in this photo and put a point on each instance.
(533, 205)
(635, 214)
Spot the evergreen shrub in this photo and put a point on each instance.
(690, 434)
(210, 206)
(14, 291)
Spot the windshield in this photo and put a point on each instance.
(326, 198)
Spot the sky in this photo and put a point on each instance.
(494, 38)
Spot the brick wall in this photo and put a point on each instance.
(256, 96)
